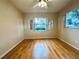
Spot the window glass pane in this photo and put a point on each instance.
(40, 23)
(72, 19)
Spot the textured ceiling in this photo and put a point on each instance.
(27, 5)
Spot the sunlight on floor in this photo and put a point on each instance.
(40, 51)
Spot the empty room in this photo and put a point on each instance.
(39, 29)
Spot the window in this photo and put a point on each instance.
(72, 19)
(40, 24)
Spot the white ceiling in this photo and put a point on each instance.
(27, 5)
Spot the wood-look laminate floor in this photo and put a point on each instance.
(43, 49)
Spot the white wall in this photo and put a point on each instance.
(31, 34)
(70, 36)
(11, 26)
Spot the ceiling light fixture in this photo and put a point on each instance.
(41, 4)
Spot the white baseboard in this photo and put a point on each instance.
(10, 49)
(42, 38)
(69, 44)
